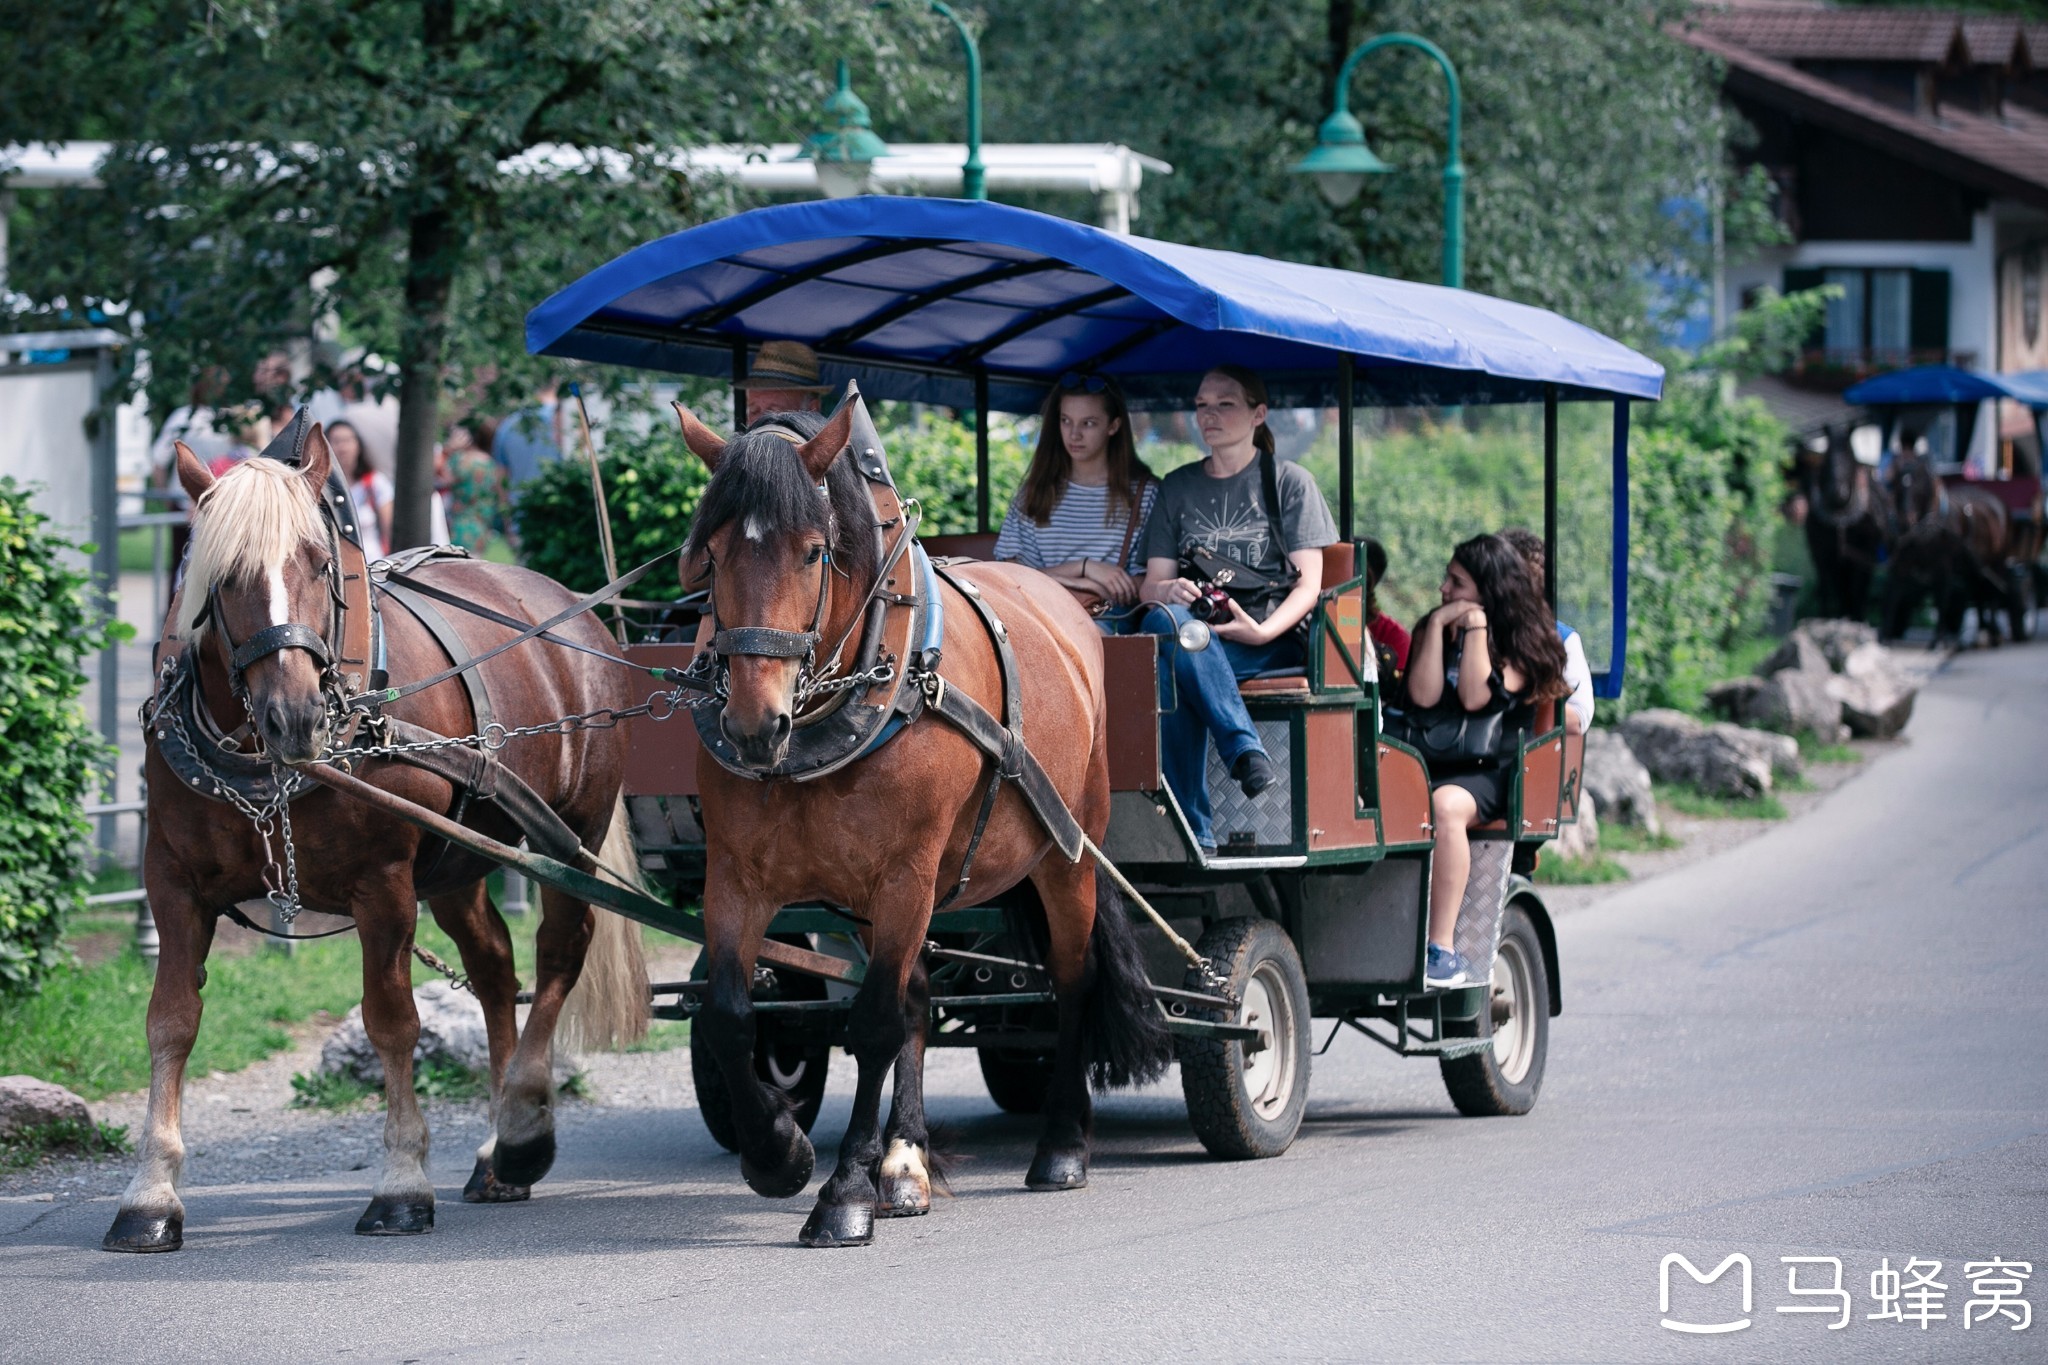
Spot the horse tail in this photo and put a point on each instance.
(608, 1008)
(1127, 1042)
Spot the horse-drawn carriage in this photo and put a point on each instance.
(1317, 894)
(981, 683)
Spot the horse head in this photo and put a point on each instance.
(261, 564)
(782, 518)
(1915, 492)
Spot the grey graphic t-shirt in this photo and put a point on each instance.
(1228, 517)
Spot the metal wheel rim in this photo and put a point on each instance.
(785, 1077)
(1514, 1033)
(1268, 1075)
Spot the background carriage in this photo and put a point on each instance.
(1315, 904)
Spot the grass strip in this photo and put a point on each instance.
(1691, 801)
(1629, 839)
(1597, 870)
(31, 1144)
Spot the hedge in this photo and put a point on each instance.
(51, 760)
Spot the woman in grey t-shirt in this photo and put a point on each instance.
(1080, 515)
(1219, 506)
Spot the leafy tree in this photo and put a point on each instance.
(417, 173)
(1586, 131)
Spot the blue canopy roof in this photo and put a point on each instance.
(1949, 384)
(912, 296)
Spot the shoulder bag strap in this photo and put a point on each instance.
(1269, 485)
(1123, 554)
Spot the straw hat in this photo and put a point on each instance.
(784, 365)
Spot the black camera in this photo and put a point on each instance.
(1212, 604)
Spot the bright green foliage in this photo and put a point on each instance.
(934, 463)
(29, 1146)
(329, 1090)
(651, 485)
(51, 761)
(1691, 801)
(1597, 870)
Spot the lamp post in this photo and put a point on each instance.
(1341, 160)
(846, 147)
(973, 178)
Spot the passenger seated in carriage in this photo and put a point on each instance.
(1245, 514)
(1389, 637)
(1080, 515)
(1578, 674)
(1490, 650)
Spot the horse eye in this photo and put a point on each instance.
(816, 552)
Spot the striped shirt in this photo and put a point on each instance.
(1075, 530)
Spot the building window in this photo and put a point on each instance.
(1882, 317)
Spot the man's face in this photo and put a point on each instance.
(273, 374)
(761, 402)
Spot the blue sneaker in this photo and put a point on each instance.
(1445, 969)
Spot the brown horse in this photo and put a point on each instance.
(1949, 541)
(786, 537)
(265, 561)
(1845, 525)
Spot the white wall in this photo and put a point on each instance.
(42, 439)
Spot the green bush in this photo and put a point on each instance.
(51, 761)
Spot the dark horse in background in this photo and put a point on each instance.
(786, 537)
(1949, 542)
(1845, 525)
(265, 570)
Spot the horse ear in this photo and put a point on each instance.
(821, 450)
(706, 444)
(317, 461)
(192, 475)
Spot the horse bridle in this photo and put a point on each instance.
(275, 639)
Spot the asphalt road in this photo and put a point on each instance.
(1825, 1043)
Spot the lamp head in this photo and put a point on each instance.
(1340, 161)
(846, 146)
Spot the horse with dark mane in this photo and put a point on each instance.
(1845, 526)
(796, 555)
(271, 649)
(1948, 542)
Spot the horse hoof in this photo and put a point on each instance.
(484, 1187)
(523, 1163)
(903, 1196)
(395, 1218)
(1058, 1170)
(134, 1230)
(839, 1225)
(789, 1178)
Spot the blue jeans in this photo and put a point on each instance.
(1208, 707)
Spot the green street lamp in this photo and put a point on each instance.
(1341, 161)
(846, 147)
(973, 177)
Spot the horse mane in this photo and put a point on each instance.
(255, 517)
(760, 483)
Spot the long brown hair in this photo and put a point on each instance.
(1045, 482)
(1254, 394)
(1519, 619)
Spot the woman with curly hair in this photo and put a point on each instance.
(1492, 647)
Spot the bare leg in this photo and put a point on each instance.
(1454, 812)
(875, 1032)
(151, 1216)
(403, 1202)
(906, 1186)
(525, 1143)
(480, 936)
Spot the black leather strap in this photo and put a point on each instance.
(762, 641)
(271, 639)
(452, 645)
(491, 781)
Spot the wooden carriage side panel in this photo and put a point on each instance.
(661, 756)
(1543, 775)
(1574, 775)
(1336, 816)
(1404, 796)
(1130, 686)
(968, 546)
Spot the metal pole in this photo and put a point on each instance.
(981, 452)
(973, 178)
(739, 376)
(1454, 164)
(1550, 496)
(106, 571)
(1345, 453)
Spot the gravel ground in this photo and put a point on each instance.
(241, 1126)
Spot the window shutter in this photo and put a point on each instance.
(1930, 310)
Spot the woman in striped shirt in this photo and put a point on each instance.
(1080, 516)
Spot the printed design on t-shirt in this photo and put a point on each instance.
(1235, 531)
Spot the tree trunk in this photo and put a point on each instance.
(429, 281)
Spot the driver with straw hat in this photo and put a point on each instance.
(784, 378)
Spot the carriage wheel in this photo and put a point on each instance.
(784, 1057)
(1246, 1103)
(1017, 1081)
(1505, 1078)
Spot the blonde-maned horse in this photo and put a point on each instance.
(262, 577)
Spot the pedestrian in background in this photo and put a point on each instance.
(473, 488)
(528, 439)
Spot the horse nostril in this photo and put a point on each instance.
(782, 727)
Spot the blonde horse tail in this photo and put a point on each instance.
(608, 1008)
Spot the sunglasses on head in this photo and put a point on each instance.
(1076, 382)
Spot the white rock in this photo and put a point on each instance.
(1618, 782)
(451, 1030)
(1580, 838)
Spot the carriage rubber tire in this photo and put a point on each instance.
(1017, 1081)
(1506, 1078)
(1246, 1106)
(808, 1062)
